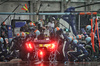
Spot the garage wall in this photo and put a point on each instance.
(95, 7)
(77, 4)
(9, 7)
(54, 6)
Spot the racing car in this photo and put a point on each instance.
(39, 50)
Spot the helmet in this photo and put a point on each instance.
(88, 27)
(70, 38)
(4, 23)
(6, 39)
(78, 37)
(23, 34)
(18, 34)
(74, 38)
(88, 39)
(10, 39)
(31, 25)
(1, 40)
(56, 29)
(37, 32)
(75, 41)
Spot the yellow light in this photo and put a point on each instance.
(30, 46)
(40, 45)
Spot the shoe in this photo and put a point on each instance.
(5, 61)
(66, 62)
(75, 60)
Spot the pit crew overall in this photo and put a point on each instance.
(84, 53)
(74, 54)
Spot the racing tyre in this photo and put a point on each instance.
(90, 51)
(23, 56)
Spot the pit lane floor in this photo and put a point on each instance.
(39, 63)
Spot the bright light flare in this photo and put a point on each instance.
(29, 46)
(52, 47)
(41, 53)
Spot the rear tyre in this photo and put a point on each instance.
(90, 51)
(23, 56)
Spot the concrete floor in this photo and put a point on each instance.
(21, 63)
